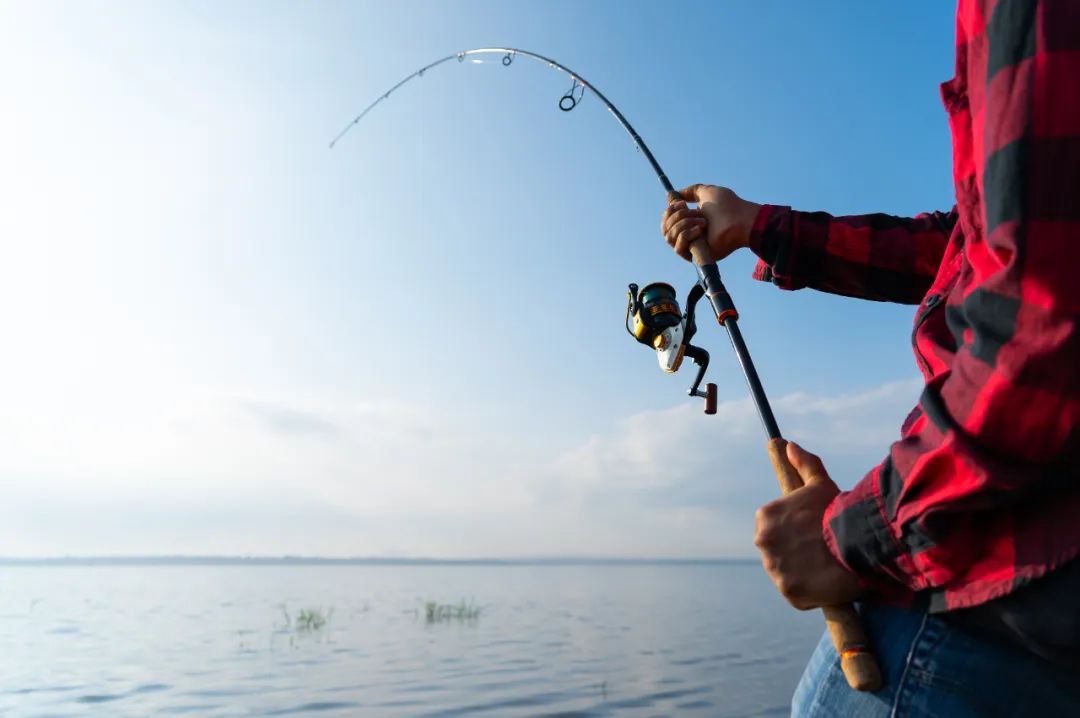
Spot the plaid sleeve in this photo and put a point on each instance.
(871, 256)
(983, 492)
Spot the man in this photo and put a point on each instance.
(961, 545)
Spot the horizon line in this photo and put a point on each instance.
(299, 560)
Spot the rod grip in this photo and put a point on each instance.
(699, 249)
(845, 627)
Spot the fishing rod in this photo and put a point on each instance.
(657, 322)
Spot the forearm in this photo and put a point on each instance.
(873, 256)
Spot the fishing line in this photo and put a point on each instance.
(567, 102)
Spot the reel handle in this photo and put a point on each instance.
(845, 627)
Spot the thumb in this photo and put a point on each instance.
(690, 193)
(808, 465)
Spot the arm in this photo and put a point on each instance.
(981, 495)
(873, 256)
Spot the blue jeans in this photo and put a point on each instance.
(932, 668)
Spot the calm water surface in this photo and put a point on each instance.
(593, 640)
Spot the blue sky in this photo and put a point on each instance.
(223, 337)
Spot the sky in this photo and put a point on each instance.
(222, 337)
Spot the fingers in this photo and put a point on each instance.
(677, 213)
(768, 525)
(690, 193)
(687, 226)
(685, 238)
(808, 465)
(685, 230)
(682, 226)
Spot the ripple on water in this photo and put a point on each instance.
(425, 687)
(494, 671)
(188, 708)
(109, 697)
(43, 689)
(694, 705)
(99, 698)
(398, 704)
(770, 712)
(752, 662)
(312, 707)
(535, 699)
(647, 700)
(65, 630)
(220, 692)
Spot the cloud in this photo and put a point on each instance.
(680, 452)
(277, 475)
(677, 482)
(288, 421)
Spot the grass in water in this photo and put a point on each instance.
(435, 612)
(309, 620)
(312, 619)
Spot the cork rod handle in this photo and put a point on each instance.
(848, 636)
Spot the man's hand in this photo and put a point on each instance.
(725, 216)
(793, 550)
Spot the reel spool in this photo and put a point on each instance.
(654, 309)
(660, 324)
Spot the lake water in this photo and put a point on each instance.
(550, 640)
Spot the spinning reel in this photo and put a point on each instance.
(658, 323)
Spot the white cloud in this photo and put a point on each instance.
(262, 475)
(676, 482)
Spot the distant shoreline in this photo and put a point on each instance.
(325, 561)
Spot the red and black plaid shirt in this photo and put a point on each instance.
(982, 492)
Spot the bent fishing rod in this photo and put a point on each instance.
(654, 319)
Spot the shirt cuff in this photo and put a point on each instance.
(859, 537)
(772, 239)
